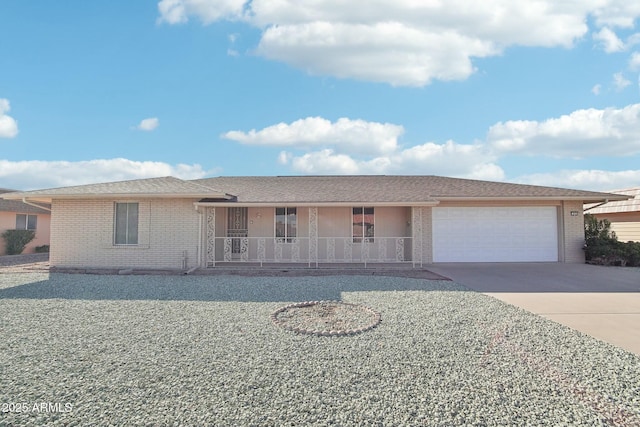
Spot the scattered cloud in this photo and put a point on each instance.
(595, 180)
(620, 82)
(634, 61)
(583, 133)
(404, 42)
(317, 146)
(19, 174)
(208, 11)
(596, 89)
(353, 136)
(609, 41)
(450, 159)
(149, 124)
(8, 125)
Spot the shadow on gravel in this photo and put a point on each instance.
(215, 288)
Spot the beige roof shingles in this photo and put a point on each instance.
(385, 189)
(165, 187)
(619, 206)
(399, 189)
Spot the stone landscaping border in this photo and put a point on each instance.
(374, 315)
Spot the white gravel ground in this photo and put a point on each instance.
(80, 350)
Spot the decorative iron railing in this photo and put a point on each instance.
(310, 250)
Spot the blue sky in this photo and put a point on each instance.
(538, 92)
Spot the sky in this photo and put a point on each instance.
(543, 92)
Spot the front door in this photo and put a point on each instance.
(237, 228)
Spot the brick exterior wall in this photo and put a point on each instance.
(82, 234)
(573, 228)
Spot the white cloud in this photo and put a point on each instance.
(353, 136)
(34, 174)
(8, 125)
(620, 82)
(609, 40)
(450, 159)
(616, 13)
(178, 11)
(596, 89)
(406, 42)
(389, 52)
(583, 133)
(634, 61)
(594, 180)
(148, 124)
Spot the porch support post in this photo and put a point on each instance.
(313, 235)
(416, 234)
(211, 237)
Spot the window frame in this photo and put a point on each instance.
(287, 238)
(129, 236)
(363, 238)
(27, 218)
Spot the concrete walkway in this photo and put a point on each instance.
(603, 302)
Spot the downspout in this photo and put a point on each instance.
(24, 200)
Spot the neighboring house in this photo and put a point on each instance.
(173, 223)
(623, 214)
(14, 214)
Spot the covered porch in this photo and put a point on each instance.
(311, 236)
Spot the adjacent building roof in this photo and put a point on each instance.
(618, 206)
(372, 189)
(18, 206)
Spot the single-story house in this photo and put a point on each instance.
(16, 215)
(624, 215)
(173, 223)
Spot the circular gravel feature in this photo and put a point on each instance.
(326, 318)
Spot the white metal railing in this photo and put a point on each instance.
(312, 251)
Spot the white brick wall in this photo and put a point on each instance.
(573, 232)
(82, 234)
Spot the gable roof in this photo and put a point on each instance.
(407, 189)
(165, 187)
(386, 188)
(618, 206)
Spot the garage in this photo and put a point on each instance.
(495, 234)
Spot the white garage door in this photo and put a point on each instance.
(495, 234)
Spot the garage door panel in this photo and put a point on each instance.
(517, 234)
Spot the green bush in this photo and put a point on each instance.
(42, 249)
(16, 240)
(602, 245)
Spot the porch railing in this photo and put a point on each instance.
(312, 251)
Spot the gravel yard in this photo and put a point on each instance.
(202, 350)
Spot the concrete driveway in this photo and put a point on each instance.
(603, 302)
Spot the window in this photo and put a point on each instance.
(363, 225)
(286, 224)
(26, 222)
(126, 224)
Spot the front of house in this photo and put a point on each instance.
(312, 220)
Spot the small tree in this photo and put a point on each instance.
(16, 240)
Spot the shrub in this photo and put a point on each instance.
(42, 249)
(602, 246)
(16, 240)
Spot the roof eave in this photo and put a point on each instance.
(314, 204)
(47, 198)
(584, 199)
